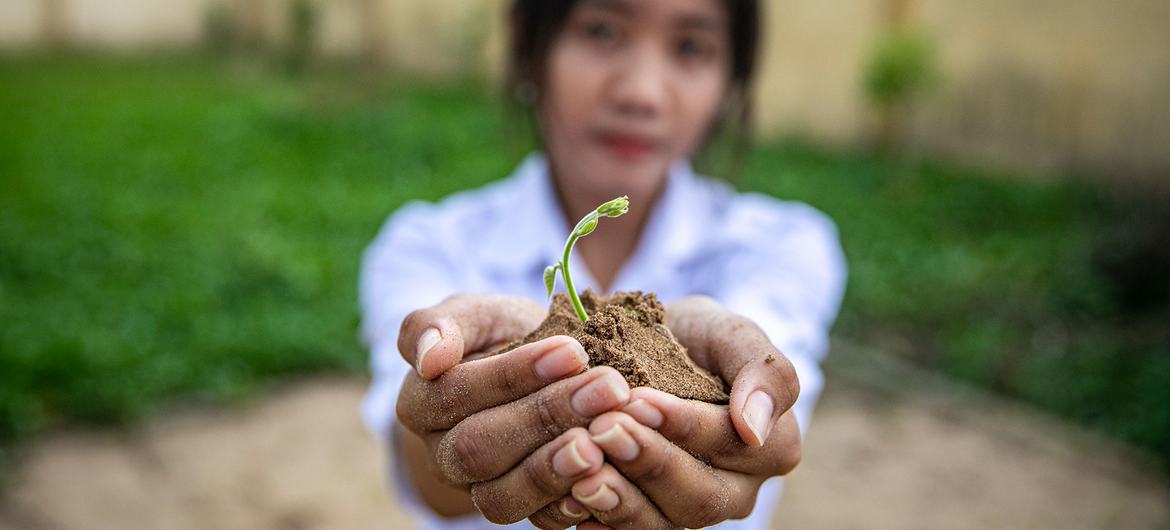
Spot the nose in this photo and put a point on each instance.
(640, 88)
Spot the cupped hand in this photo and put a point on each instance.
(672, 462)
(509, 427)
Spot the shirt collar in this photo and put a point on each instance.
(529, 234)
(532, 234)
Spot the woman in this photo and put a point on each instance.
(624, 93)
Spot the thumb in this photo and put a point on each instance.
(764, 389)
(434, 339)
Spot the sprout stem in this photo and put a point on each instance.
(585, 226)
(580, 309)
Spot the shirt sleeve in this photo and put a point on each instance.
(786, 271)
(403, 269)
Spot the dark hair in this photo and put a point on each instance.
(536, 23)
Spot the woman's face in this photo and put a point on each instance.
(632, 85)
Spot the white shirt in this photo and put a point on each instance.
(778, 263)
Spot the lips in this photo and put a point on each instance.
(628, 146)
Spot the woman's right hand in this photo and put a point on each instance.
(509, 427)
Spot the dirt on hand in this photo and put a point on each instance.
(627, 331)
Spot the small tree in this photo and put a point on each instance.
(302, 18)
(901, 66)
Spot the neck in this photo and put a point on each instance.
(612, 244)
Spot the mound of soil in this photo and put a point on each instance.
(626, 331)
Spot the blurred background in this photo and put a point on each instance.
(186, 188)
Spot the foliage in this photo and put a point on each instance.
(302, 21)
(901, 64)
(998, 281)
(174, 229)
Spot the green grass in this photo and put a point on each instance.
(174, 229)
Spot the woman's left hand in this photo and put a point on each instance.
(672, 462)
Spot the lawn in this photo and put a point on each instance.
(175, 229)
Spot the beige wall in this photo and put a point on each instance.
(1053, 83)
(20, 23)
(1038, 84)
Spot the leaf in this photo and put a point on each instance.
(550, 277)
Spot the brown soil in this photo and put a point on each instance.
(627, 331)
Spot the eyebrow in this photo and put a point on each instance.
(700, 22)
(621, 6)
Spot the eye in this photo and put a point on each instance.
(692, 48)
(601, 31)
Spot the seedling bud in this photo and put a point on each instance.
(615, 208)
(585, 226)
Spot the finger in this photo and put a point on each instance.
(689, 492)
(469, 387)
(764, 390)
(563, 513)
(706, 431)
(545, 476)
(764, 383)
(436, 338)
(617, 503)
(487, 444)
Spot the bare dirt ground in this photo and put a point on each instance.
(888, 449)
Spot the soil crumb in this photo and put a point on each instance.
(626, 331)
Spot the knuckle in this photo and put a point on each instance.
(545, 521)
(413, 400)
(538, 473)
(406, 415)
(652, 467)
(463, 456)
(785, 449)
(790, 458)
(509, 381)
(687, 427)
(711, 507)
(447, 405)
(727, 445)
(488, 501)
(553, 413)
(625, 516)
(747, 505)
(442, 407)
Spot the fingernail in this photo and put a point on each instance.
(603, 500)
(426, 341)
(757, 413)
(618, 443)
(572, 508)
(645, 413)
(568, 462)
(566, 359)
(601, 394)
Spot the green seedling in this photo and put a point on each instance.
(614, 208)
